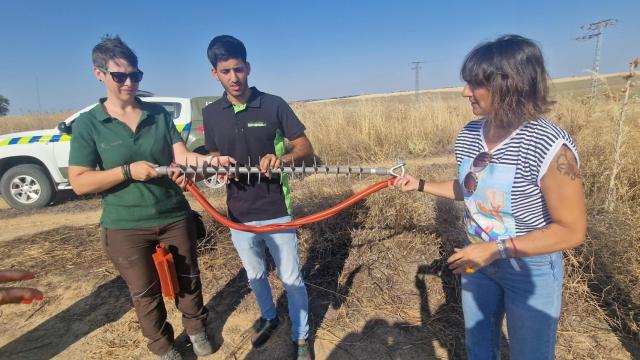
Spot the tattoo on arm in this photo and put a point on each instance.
(567, 165)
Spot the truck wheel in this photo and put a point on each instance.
(26, 187)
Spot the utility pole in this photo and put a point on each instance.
(594, 30)
(417, 67)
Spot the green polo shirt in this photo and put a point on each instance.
(100, 141)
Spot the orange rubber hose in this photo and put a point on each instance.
(322, 215)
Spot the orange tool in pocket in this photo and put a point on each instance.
(163, 260)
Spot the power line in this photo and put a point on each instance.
(417, 67)
(594, 30)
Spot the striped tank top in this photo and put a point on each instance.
(508, 200)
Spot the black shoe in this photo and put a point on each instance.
(263, 331)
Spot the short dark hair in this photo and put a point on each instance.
(512, 69)
(225, 47)
(111, 48)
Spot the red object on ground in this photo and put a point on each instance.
(163, 259)
(325, 214)
(36, 298)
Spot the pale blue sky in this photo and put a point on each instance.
(298, 49)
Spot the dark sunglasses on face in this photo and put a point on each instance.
(480, 162)
(121, 77)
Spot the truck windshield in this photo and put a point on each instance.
(173, 108)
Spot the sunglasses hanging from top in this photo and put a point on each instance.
(480, 162)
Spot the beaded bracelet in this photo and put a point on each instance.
(501, 248)
(127, 169)
(421, 184)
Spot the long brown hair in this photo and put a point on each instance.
(512, 69)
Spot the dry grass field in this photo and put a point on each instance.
(378, 284)
(15, 123)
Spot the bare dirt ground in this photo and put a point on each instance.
(378, 286)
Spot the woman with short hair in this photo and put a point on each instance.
(114, 151)
(518, 175)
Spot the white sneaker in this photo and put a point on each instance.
(201, 344)
(173, 354)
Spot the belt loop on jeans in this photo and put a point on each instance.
(514, 263)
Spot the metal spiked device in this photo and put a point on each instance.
(217, 175)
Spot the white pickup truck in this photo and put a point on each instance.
(34, 164)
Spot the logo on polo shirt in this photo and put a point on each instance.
(257, 124)
(106, 146)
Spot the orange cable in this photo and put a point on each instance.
(322, 215)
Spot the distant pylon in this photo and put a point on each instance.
(594, 30)
(417, 67)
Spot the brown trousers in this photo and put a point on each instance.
(130, 251)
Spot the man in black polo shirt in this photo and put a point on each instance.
(251, 126)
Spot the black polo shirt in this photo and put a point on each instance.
(246, 134)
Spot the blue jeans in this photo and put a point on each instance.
(283, 247)
(530, 298)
